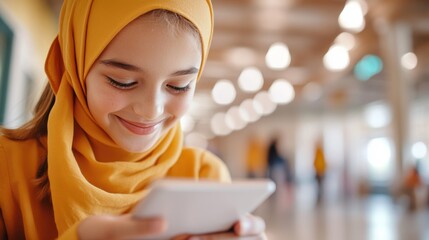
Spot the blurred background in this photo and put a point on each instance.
(329, 98)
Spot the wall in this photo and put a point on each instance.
(34, 28)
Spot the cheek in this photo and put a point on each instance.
(104, 102)
(179, 106)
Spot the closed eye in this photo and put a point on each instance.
(179, 89)
(120, 85)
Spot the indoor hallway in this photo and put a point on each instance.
(294, 215)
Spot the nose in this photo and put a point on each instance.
(149, 105)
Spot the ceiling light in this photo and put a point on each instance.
(218, 124)
(352, 16)
(281, 91)
(278, 56)
(250, 79)
(267, 105)
(363, 5)
(337, 58)
(223, 92)
(234, 120)
(248, 112)
(346, 40)
(409, 61)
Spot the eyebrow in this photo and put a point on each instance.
(130, 67)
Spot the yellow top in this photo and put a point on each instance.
(23, 216)
(256, 157)
(319, 161)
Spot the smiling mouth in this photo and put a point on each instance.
(140, 128)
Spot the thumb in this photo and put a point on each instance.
(119, 227)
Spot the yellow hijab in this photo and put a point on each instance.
(89, 174)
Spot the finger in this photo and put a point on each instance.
(119, 227)
(130, 227)
(182, 237)
(215, 236)
(228, 236)
(249, 225)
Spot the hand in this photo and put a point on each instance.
(119, 227)
(250, 226)
(247, 228)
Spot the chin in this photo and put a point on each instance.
(138, 148)
(139, 145)
(135, 149)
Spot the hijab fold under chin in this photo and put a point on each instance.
(84, 178)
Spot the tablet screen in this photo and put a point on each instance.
(198, 207)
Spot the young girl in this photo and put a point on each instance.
(121, 75)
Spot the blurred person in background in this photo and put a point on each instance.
(278, 166)
(319, 164)
(255, 158)
(412, 181)
(121, 75)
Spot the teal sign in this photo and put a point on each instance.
(367, 67)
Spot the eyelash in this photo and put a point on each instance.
(179, 89)
(121, 85)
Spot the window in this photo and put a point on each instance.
(6, 37)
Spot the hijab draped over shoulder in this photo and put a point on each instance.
(88, 173)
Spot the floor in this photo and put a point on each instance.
(293, 213)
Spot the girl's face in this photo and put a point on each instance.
(143, 82)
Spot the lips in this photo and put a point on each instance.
(140, 128)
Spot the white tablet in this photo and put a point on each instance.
(198, 207)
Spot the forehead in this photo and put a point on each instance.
(155, 45)
(167, 23)
(173, 20)
(157, 24)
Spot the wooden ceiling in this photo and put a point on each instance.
(309, 28)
